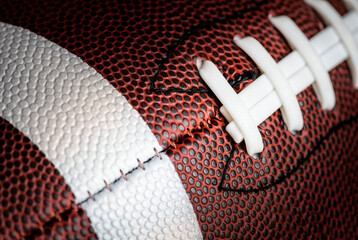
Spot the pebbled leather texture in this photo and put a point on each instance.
(150, 204)
(70, 112)
(303, 184)
(35, 201)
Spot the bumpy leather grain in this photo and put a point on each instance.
(34, 197)
(303, 185)
(81, 123)
(150, 204)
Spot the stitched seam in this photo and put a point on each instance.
(170, 51)
(119, 178)
(281, 179)
(149, 159)
(247, 75)
(144, 162)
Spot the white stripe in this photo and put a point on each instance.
(152, 204)
(81, 123)
(90, 132)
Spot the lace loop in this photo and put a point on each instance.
(331, 16)
(290, 109)
(262, 98)
(298, 41)
(351, 4)
(240, 117)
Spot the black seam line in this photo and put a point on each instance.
(247, 75)
(231, 156)
(147, 161)
(282, 178)
(170, 51)
(119, 178)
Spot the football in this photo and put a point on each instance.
(181, 119)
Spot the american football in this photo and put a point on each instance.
(181, 119)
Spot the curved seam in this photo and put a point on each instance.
(121, 177)
(279, 179)
(294, 169)
(170, 51)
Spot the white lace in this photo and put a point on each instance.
(308, 64)
(331, 17)
(351, 4)
(299, 42)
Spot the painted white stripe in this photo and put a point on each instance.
(152, 204)
(90, 132)
(81, 123)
